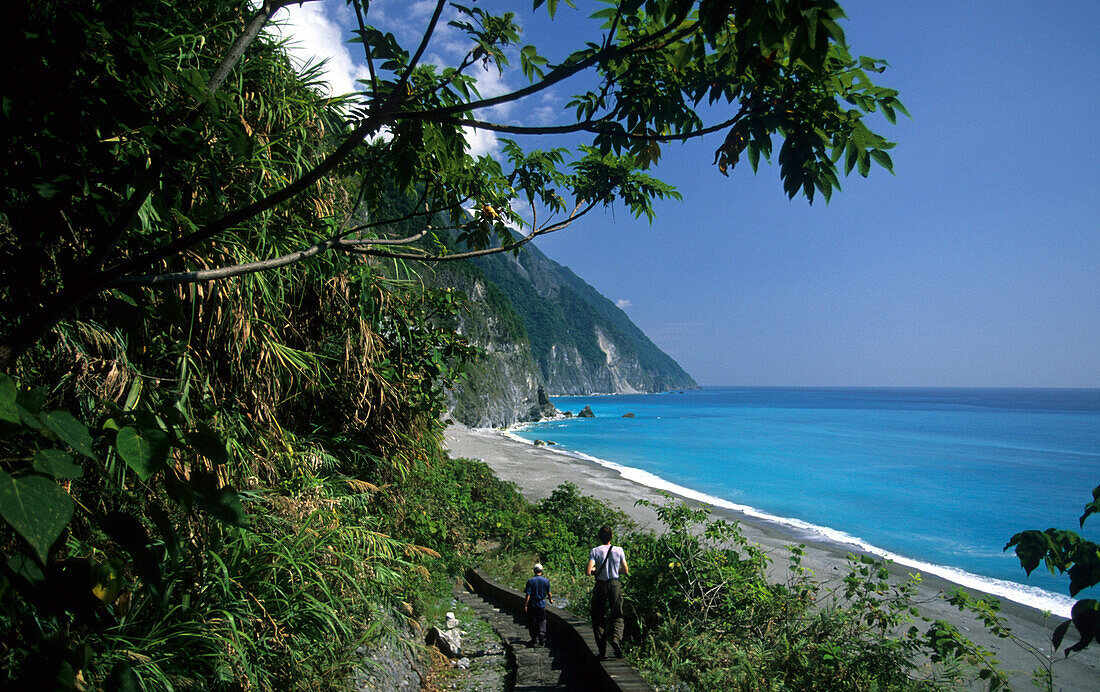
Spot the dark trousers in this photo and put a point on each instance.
(536, 623)
(607, 612)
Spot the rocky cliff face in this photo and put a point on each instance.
(581, 341)
(542, 329)
(502, 386)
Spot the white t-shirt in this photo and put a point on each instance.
(610, 567)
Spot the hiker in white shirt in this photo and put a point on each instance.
(606, 562)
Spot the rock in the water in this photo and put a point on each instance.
(628, 415)
(567, 414)
(545, 406)
(586, 412)
(539, 443)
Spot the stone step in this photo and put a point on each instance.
(568, 662)
(547, 667)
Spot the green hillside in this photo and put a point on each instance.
(565, 317)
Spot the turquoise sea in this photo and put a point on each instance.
(936, 479)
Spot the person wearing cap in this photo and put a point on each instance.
(606, 562)
(538, 594)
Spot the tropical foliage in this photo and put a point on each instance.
(1067, 553)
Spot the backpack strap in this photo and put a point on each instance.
(603, 562)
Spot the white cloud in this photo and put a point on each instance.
(481, 142)
(314, 33)
(622, 303)
(319, 30)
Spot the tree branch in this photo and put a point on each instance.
(573, 216)
(556, 75)
(366, 46)
(404, 79)
(595, 128)
(369, 125)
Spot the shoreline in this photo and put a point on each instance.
(537, 471)
(796, 529)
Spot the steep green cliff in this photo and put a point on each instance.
(540, 326)
(502, 384)
(582, 342)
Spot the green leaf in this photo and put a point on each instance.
(207, 443)
(26, 568)
(864, 164)
(70, 430)
(8, 412)
(1060, 634)
(56, 463)
(32, 401)
(124, 679)
(1031, 548)
(222, 502)
(145, 452)
(882, 159)
(1092, 507)
(37, 508)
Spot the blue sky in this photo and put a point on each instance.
(977, 264)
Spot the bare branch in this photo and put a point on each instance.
(355, 242)
(411, 215)
(404, 79)
(245, 39)
(573, 216)
(196, 276)
(594, 127)
(190, 277)
(209, 231)
(369, 125)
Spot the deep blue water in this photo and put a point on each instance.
(938, 478)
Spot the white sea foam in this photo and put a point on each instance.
(1031, 596)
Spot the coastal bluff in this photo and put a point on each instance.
(540, 327)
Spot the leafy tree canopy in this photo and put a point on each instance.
(122, 125)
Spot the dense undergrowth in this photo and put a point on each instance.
(201, 484)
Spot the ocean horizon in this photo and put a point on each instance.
(936, 479)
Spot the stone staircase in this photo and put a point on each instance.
(567, 662)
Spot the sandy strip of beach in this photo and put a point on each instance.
(538, 470)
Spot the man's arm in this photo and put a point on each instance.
(624, 568)
(591, 567)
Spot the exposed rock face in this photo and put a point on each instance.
(581, 341)
(501, 387)
(544, 330)
(586, 412)
(390, 663)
